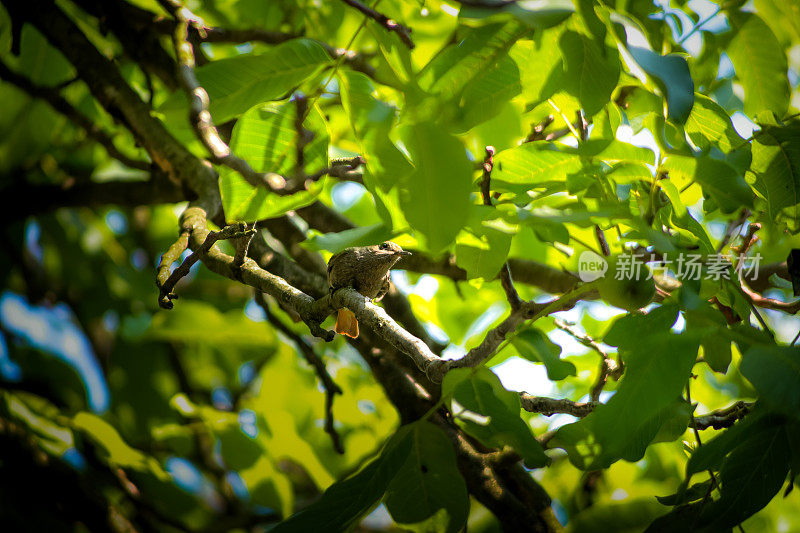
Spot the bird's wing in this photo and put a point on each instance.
(384, 289)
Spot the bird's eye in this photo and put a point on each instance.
(384, 246)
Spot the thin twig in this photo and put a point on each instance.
(552, 406)
(389, 24)
(608, 367)
(199, 115)
(311, 357)
(506, 280)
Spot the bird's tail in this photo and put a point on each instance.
(346, 323)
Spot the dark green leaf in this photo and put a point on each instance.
(623, 331)
(535, 346)
(671, 74)
(429, 482)
(345, 502)
(657, 367)
(750, 477)
(775, 373)
(695, 492)
(498, 422)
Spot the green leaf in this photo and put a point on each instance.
(624, 331)
(760, 64)
(428, 482)
(372, 121)
(536, 14)
(336, 242)
(590, 72)
(717, 352)
(481, 249)
(657, 367)
(612, 151)
(440, 184)
(718, 179)
(451, 70)
(345, 503)
(531, 164)
(236, 84)
(486, 94)
(671, 74)
(709, 124)
(201, 322)
(265, 137)
(115, 450)
(775, 373)
(776, 167)
(535, 346)
(498, 422)
(751, 476)
(540, 65)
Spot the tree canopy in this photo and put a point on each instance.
(595, 330)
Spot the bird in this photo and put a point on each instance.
(365, 269)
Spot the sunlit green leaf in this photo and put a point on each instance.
(441, 183)
(236, 84)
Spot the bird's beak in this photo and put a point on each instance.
(404, 252)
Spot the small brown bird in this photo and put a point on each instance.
(366, 269)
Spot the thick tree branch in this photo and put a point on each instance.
(166, 294)
(119, 99)
(137, 32)
(61, 105)
(312, 313)
(128, 193)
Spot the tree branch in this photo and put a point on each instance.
(719, 419)
(389, 24)
(608, 367)
(330, 386)
(166, 295)
(723, 418)
(61, 105)
(128, 193)
(552, 406)
(118, 98)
